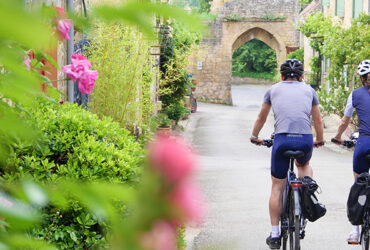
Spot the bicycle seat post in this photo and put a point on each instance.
(292, 155)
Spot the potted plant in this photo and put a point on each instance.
(193, 84)
(163, 122)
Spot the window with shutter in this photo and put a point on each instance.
(357, 8)
(326, 2)
(339, 8)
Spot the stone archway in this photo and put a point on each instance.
(213, 67)
(264, 36)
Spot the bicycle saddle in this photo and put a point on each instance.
(293, 154)
(367, 157)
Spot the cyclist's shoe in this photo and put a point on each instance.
(273, 243)
(353, 239)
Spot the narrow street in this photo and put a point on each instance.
(235, 178)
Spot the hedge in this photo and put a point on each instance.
(75, 144)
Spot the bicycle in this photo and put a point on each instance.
(365, 227)
(292, 221)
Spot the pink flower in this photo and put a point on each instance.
(64, 25)
(162, 237)
(78, 59)
(5, 202)
(27, 62)
(188, 200)
(79, 66)
(172, 157)
(60, 11)
(87, 81)
(79, 71)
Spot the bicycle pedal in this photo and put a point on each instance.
(353, 243)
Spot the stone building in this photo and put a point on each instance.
(238, 22)
(341, 11)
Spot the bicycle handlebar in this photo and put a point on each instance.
(269, 142)
(346, 143)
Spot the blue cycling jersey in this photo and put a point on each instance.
(360, 100)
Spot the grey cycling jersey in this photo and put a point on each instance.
(292, 103)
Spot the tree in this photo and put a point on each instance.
(254, 56)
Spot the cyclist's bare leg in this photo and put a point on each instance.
(355, 175)
(276, 199)
(304, 170)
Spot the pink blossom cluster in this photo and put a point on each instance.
(79, 71)
(27, 62)
(174, 160)
(62, 24)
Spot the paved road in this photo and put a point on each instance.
(235, 178)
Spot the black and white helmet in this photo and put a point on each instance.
(291, 68)
(364, 67)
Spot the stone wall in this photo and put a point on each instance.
(259, 8)
(213, 68)
(236, 80)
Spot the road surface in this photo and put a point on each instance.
(235, 179)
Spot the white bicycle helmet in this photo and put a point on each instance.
(364, 67)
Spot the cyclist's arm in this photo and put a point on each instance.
(261, 119)
(342, 127)
(318, 125)
(345, 120)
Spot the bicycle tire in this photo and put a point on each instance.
(283, 230)
(283, 222)
(291, 221)
(365, 240)
(294, 226)
(285, 243)
(297, 237)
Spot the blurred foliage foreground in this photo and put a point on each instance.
(70, 180)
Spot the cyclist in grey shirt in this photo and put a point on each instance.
(293, 103)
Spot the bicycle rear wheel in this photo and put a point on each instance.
(284, 222)
(296, 232)
(294, 226)
(284, 233)
(365, 239)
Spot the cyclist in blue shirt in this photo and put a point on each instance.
(359, 99)
(293, 103)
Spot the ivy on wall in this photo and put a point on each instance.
(177, 45)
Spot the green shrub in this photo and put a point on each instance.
(123, 89)
(176, 47)
(76, 144)
(256, 57)
(176, 111)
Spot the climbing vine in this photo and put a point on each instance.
(344, 49)
(177, 45)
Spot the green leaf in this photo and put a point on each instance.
(22, 27)
(18, 214)
(36, 195)
(141, 13)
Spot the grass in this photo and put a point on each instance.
(257, 75)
